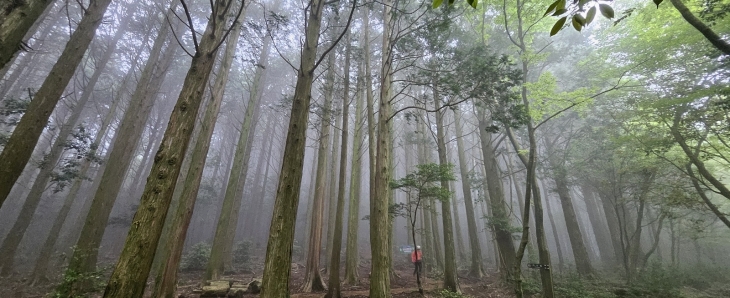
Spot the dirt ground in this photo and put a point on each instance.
(402, 285)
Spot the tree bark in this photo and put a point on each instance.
(15, 26)
(333, 290)
(120, 155)
(451, 281)
(497, 204)
(352, 255)
(380, 190)
(166, 281)
(603, 236)
(277, 266)
(313, 281)
(130, 274)
(475, 269)
(20, 145)
(706, 31)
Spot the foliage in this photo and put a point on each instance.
(242, 253)
(449, 294)
(81, 284)
(197, 257)
(422, 182)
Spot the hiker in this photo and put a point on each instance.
(416, 257)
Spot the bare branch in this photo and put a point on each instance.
(347, 28)
(190, 24)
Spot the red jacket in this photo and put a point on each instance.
(416, 255)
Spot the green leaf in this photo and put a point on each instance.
(558, 25)
(473, 3)
(581, 3)
(576, 24)
(606, 10)
(580, 19)
(551, 8)
(657, 2)
(559, 12)
(451, 2)
(590, 15)
(437, 3)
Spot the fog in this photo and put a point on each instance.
(276, 148)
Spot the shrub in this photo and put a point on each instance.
(242, 253)
(197, 257)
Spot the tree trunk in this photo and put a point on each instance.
(166, 280)
(52, 158)
(451, 281)
(554, 228)
(706, 31)
(228, 219)
(20, 145)
(333, 290)
(380, 190)
(332, 195)
(352, 255)
(277, 266)
(497, 203)
(130, 274)
(475, 269)
(130, 131)
(15, 25)
(313, 279)
(603, 237)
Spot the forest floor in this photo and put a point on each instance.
(402, 285)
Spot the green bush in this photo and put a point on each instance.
(449, 294)
(77, 284)
(242, 253)
(197, 257)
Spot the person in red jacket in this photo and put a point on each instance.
(416, 257)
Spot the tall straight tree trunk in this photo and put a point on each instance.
(352, 255)
(43, 178)
(130, 274)
(228, 219)
(457, 227)
(52, 158)
(120, 155)
(609, 212)
(380, 190)
(313, 279)
(603, 237)
(497, 203)
(451, 281)
(19, 147)
(560, 176)
(277, 265)
(15, 25)
(41, 265)
(333, 290)
(475, 268)
(166, 280)
(554, 228)
(332, 195)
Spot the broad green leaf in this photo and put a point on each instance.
(606, 10)
(590, 15)
(657, 2)
(473, 3)
(551, 8)
(576, 24)
(581, 3)
(580, 19)
(559, 12)
(558, 25)
(437, 3)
